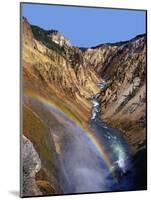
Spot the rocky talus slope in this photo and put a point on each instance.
(68, 76)
(57, 68)
(122, 66)
(57, 73)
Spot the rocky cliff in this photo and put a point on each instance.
(55, 71)
(68, 76)
(122, 66)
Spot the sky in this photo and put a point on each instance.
(87, 27)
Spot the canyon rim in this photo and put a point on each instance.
(83, 112)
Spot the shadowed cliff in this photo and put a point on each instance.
(68, 77)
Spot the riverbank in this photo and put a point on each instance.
(131, 130)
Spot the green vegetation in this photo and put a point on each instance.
(74, 58)
(127, 99)
(34, 129)
(43, 36)
(39, 134)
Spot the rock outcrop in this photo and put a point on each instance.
(31, 165)
(122, 66)
(39, 159)
(68, 76)
(58, 38)
(60, 71)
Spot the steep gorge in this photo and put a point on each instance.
(122, 66)
(68, 77)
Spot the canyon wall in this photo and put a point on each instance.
(68, 76)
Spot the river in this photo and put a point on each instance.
(82, 168)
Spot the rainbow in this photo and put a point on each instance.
(88, 133)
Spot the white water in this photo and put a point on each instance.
(115, 143)
(82, 168)
(81, 163)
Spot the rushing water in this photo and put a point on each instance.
(116, 147)
(82, 167)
